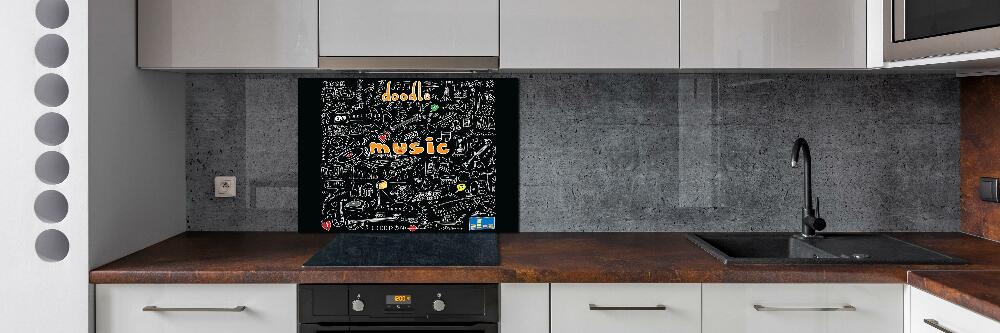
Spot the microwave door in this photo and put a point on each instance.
(916, 19)
(916, 29)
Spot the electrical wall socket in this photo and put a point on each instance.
(225, 187)
(988, 189)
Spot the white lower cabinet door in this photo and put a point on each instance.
(625, 307)
(799, 308)
(524, 308)
(196, 308)
(930, 314)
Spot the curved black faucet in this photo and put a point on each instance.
(810, 221)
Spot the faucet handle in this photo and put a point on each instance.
(817, 206)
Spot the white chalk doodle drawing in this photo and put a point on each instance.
(403, 154)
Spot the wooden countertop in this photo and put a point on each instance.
(270, 257)
(978, 291)
(274, 257)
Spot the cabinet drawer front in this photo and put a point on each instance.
(621, 307)
(409, 28)
(268, 308)
(819, 308)
(944, 314)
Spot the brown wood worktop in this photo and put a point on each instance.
(978, 291)
(269, 257)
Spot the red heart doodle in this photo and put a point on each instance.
(326, 224)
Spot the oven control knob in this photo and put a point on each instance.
(358, 305)
(438, 305)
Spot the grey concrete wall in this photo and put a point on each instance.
(639, 152)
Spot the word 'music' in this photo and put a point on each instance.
(413, 148)
(416, 93)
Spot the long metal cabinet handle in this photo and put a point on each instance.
(935, 324)
(240, 308)
(759, 307)
(594, 307)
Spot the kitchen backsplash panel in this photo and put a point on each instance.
(980, 144)
(638, 152)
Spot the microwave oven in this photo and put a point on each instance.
(915, 29)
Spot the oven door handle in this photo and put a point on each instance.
(314, 328)
(485, 328)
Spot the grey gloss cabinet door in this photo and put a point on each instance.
(584, 34)
(409, 28)
(228, 34)
(774, 34)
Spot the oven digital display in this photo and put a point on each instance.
(398, 299)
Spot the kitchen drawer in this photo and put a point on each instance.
(625, 307)
(948, 316)
(269, 308)
(775, 308)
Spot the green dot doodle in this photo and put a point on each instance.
(434, 107)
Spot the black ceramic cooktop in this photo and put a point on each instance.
(413, 249)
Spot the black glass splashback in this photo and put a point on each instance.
(408, 155)
(419, 249)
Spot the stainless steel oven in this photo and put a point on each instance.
(916, 29)
(386, 308)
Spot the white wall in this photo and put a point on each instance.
(126, 128)
(38, 295)
(137, 187)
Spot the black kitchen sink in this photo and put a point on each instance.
(837, 248)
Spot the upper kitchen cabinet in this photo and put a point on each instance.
(780, 34)
(409, 34)
(584, 34)
(196, 34)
